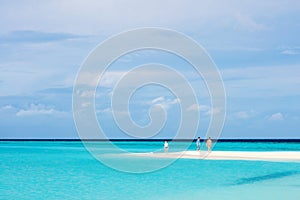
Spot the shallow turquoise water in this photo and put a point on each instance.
(66, 170)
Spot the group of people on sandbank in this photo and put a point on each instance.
(208, 144)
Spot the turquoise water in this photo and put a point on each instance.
(66, 170)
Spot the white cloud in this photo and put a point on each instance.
(197, 107)
(276, 117)
(109, 79)
(207, 110)
(244, 114)
(85, 104)
(213, 111)
(158, 99)
(291, 51)
(38, 109)
(6, 107)
(87, 93)
(104, 111)
(247, 23)
(174, 101)
(165, 103)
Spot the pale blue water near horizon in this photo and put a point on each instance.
(66, 170)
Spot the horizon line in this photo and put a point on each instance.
(152, 140)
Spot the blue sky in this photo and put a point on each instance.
(255, 45)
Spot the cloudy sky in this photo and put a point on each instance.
(254, 44)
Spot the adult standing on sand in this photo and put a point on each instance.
(166, 146)
(208, 144)
(198, 144)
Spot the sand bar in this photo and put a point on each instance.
(290, 156)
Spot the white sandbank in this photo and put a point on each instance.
(293, 156)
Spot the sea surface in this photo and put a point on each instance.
(66, 170)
